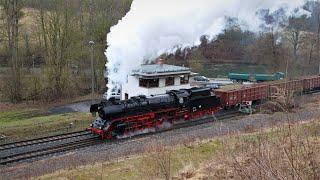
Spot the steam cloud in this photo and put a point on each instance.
(154, 27)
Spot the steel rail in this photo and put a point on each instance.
(49, 151)
(96, 140)
(41, 140)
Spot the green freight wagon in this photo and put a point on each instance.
(240, 77)
(256, 77)
(269, 77)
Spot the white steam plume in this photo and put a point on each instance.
(154, 27)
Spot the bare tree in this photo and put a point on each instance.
(12, 14)
(317, 12)
(295, 33)
(56, 30)
(314, 8)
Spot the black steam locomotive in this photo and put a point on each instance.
(141, 112)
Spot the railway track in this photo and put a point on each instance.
(312, 92)
(49, 151)
(83, 139)
(89, 141)
(33, 148)
(41, 140)
(24, 150)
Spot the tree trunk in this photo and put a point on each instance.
(311, 53)
(295, 43)
(318, 40)
(11, 10)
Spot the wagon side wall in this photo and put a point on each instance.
(234, 97)
(311, 83)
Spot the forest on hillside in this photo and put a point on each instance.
(45, 52)
(280, 45)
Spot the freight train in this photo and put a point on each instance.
(118, 118)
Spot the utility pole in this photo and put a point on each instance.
(33, 63)
(91, 43)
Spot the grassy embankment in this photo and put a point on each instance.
(291, 151)
(25, 123)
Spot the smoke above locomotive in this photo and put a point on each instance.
(154, 27)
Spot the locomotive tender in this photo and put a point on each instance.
(117, 118)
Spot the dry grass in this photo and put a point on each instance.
(288, 152)
(158, 162)
(29, 123)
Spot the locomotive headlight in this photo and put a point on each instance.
(91, 125)
(100, 128)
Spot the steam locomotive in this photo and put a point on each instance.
(118, 118)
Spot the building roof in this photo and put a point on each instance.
(160, 69)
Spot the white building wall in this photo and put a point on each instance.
(132, 87)
(177, 81)
(162, 82)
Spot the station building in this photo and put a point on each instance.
(155, 79)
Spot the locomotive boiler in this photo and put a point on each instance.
(117, 118)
